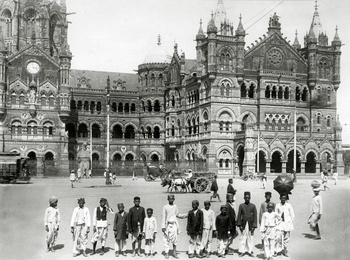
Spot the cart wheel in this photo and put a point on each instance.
(201, 184)
(147, 178)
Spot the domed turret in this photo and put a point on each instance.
(158, 54)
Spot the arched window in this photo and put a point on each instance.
(243, 90)
(73, 104)
(268, 92)
(7, 27)
(96, 132)
(304, 95)
(328, 121)
(286, 93)
(221, 163)
(301, 125)
(143, 132)
(120, 107)
(82, 131)
(172, 130)
(16, 128)
(32, 128)
(156, 106)
(129, 157)
(189, 126)
(133, 108)
(179, 128)
(51, 100)
(95, 157)
(172, 101)
(297, 94)
(49, 156)
(280, 93)
(117, 132)
(143, 108)
(99, 107)
(126, 108)
(21, 98)
(47, 129)
(274, 92)
(227, 90)
(117, 157)
(251, 91)
(194, 126)
(318, 119)
(92, 107)
(156, 133)
(86, 105)
(149, 132)
(149, 105)
(80, 105)
(129, 132)
(114, 107)
(13, 98)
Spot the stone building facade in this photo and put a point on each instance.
(208, 110)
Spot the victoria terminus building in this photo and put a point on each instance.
(232, 100)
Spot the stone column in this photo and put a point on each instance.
(268, 166)
(302, 168)
(318, 167)
(284, 166)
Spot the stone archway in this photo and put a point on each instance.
(32, 163)
(262, 162)
(276, 163)
(240, 157)
(290, 162)
(310, 165)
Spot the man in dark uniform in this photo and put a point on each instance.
(136, 218)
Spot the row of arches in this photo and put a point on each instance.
(45, 99)
(151, 80)
(87, 106)
(150, 106)
(32, 128)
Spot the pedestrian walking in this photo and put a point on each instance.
(90, 173)
(269, 221)
(136, 218)
(170, 226)
(263, 209)
(80, 227)
(194, 230)
(72, 178)
(223, 227)
(231, 213)
(247, 223)
(214, 189)
(100, 225)
(149, 232)
(335, 178)
(264, 180)
(79, 173)
(208, 229)
(285, 210)
(52, 223)
(230, 188)
(85, 174)
(325, 181)
(316, 212)
(120, 230)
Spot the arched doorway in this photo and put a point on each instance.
(262, 162)
(49, 164)
(32, 162)
(291, 160)
(310, 165)
(326, 162)
(276, 163)
(154, 158)
(240, 156)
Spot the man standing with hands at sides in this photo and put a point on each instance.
(247, 223)
(263, 209)
(230, 188)
(194, 230)
(286, 212)
(100, 224)
(316, 212)
(231, 213)
(80, 227)
(170, 226)
(52, 223)
(136, 218)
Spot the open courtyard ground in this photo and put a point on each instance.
(22, 207)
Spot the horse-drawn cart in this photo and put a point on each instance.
(201, 181)
(152, 172)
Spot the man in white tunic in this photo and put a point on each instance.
(52, 223)
(170, 226)
(80, 227)
(208, 228)
(316, 212)
(286, 212)
(100, 224)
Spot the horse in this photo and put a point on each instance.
(175, 183)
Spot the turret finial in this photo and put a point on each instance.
(316, 5)
(159, 40)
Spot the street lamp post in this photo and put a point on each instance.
(90, 146)
(107, 130)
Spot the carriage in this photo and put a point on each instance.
(152, 172)
(178, 181)
(13, 168)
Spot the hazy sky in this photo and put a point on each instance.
(116, 35)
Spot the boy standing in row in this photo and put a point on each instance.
(194, 229)
(136, 219)
(120, 230)
(208, 228)
(223, 226)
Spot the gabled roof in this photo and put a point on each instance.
(275, 37)
(98, 79)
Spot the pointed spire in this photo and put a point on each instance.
(296, 43)
(240, 30)
(159, 40)
(220, 14)
(336, 40)
(211, 25)
(200, 34)
(316, 25)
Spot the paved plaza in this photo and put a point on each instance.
(22, 233)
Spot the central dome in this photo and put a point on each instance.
(158, 54)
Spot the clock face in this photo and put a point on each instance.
(33, 67)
